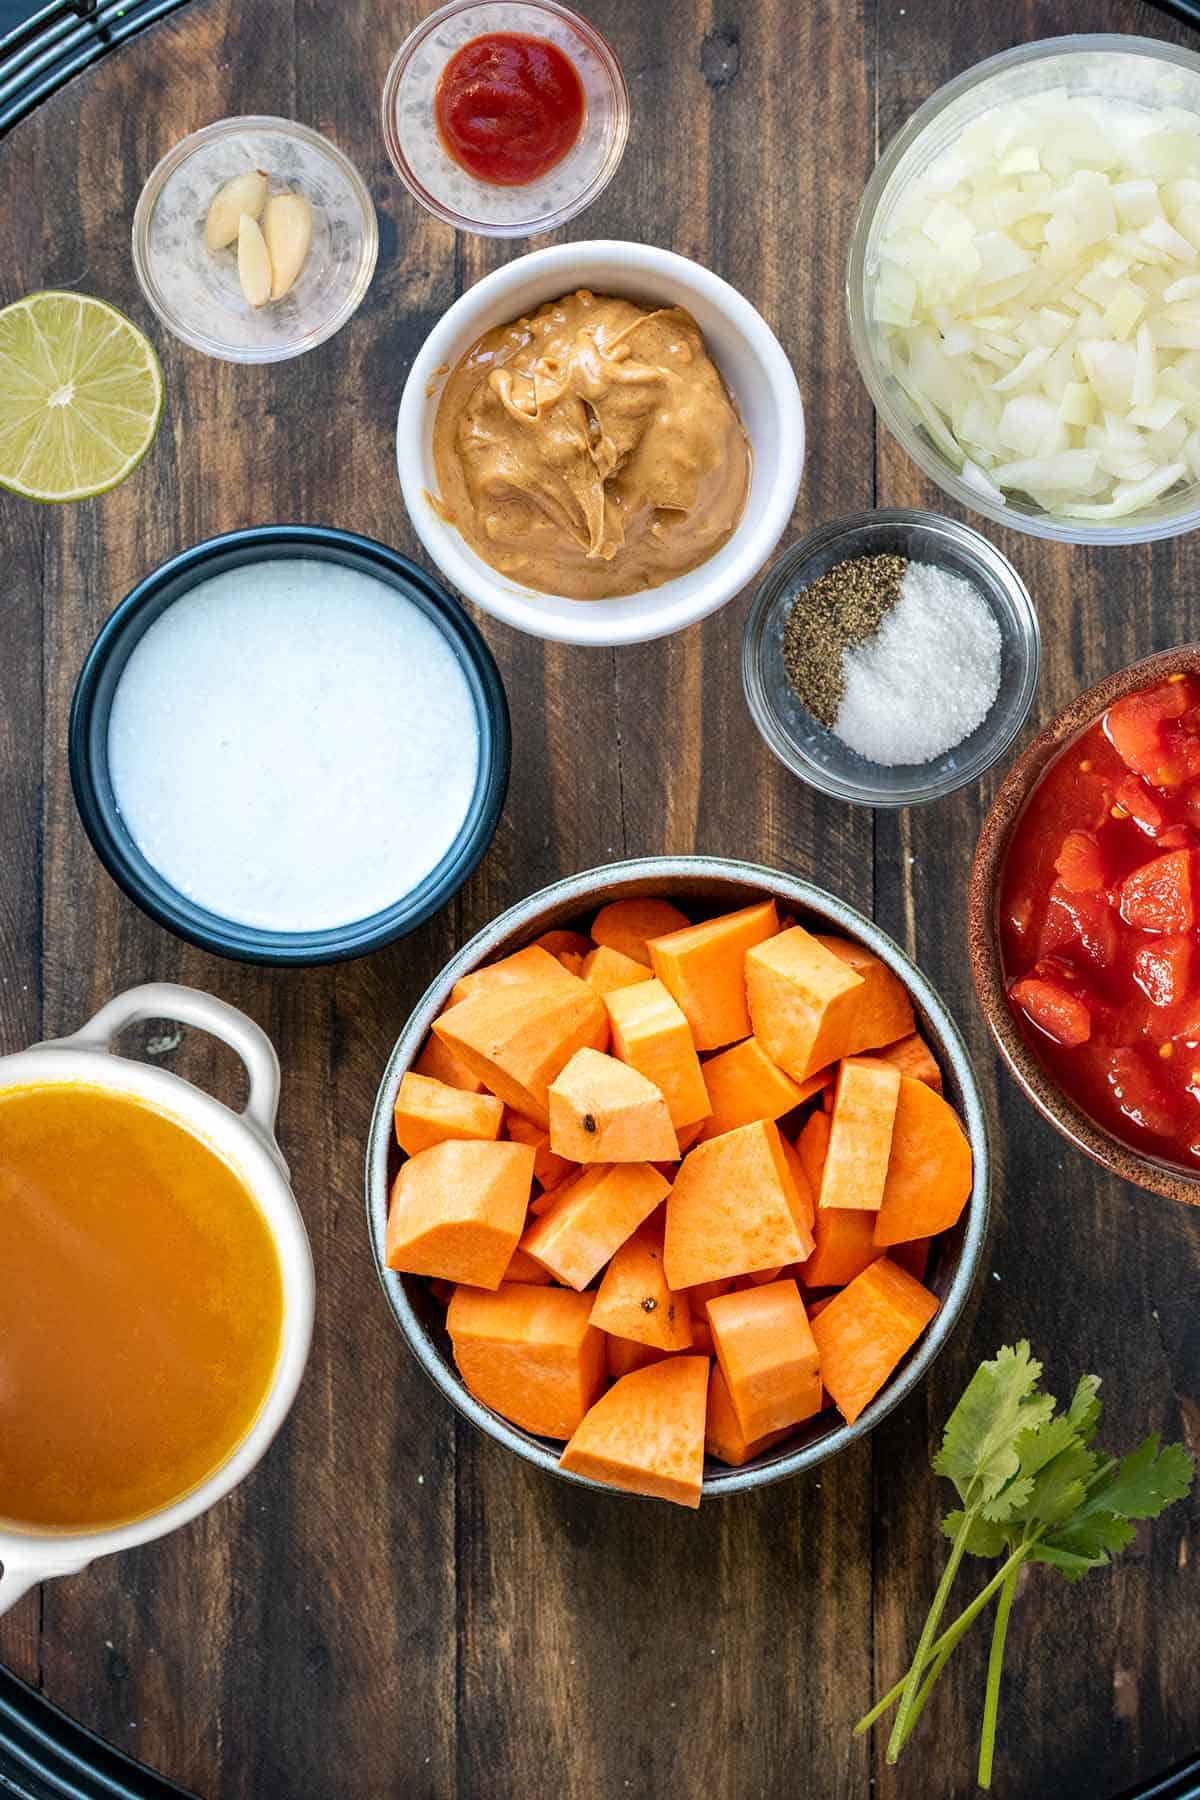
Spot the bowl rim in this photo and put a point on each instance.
(148, 199)
(782, 571)
(198, 925)
(1037, 1084)
(597, 622)
(898, 423)
(537, 222)
(583, 890)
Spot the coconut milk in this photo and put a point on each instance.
(293, 745)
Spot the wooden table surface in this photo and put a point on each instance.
(391, 1608)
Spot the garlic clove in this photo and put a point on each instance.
(254, 262)
(287, 228)
(245, 193)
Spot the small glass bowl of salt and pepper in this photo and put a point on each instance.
(891, 657)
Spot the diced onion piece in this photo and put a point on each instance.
(1024, 372)
(1068, 470)
(1128, 499)
(1038, 289)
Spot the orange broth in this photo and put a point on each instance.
(141, 1308)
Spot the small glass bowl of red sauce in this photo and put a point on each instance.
(505, 117)
(1085, 922)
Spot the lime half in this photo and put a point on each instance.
(81, 394)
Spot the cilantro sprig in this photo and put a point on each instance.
(1032, 1488)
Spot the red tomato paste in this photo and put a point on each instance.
(508, 107)
(1098, 912)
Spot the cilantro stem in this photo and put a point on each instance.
(949, 1638)
(991, 1705)
(925, 1641)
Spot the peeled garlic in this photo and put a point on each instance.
(287, 228)
(243, 194)
(254, 262)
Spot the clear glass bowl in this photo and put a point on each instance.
(196, 292)
(808, 748)
(1110, 66)
(433, 177)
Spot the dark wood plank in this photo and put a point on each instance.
(391, 1606)
(1076, 1261)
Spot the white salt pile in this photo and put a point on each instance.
(929, 676)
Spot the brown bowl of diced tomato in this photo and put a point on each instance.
(1084, 922)
(678, 1177)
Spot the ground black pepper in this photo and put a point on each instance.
(842, 607)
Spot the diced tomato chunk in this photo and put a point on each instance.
(1137, 730)
(1083, 920)
(1061, 1015)
(1136, 798)
(1158, 895)
(1163, 969)
(1138, 1095)
(1080, 864)
(1177, 837)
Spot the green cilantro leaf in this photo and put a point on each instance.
(983, 1538)
(1032, 1490)
(1083, 1414)
(978, 1452)
(1147, 1480)
(1060, 1489)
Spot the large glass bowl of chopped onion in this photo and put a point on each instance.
(1024, 289)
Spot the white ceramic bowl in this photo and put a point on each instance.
(247, 1141)
(754, 367)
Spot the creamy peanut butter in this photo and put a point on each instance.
(592, 449)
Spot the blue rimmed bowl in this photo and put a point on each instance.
(702, 885)
(93, 786)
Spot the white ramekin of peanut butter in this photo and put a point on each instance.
(600, 443)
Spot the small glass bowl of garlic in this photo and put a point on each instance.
(1024, 289)
(255, 239)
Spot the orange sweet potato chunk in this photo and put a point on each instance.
(743, 1085)
(734, 1208)
(913, 1256)
(591, 1217)
(532, 964)
(548, 1169)
(530, 1353)
(523, 1268)
(768, 1356)
(811, 1146)
(803, 1001)
(844, 1246)
(912, 1056)
(633, 1299)
(565, 943)
(647, 1433)
(603, 1111)
(607, 969)
(440, 1064)
(930, 1169)
(622, 1355)
(703, 968)
(805, 1190)
(650, 1033)
(457, 1210)
(516, 1037)
(627, 925)
(723, 1436)
(429, 1111)
(866, 1329)
(860, 1134)
(816, 1000)
(885, 1005)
